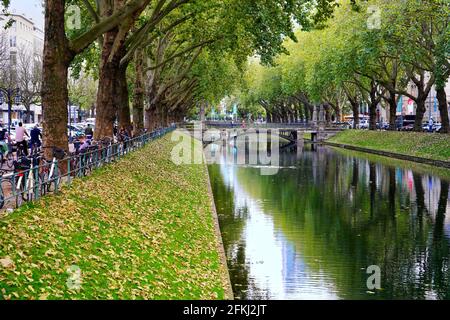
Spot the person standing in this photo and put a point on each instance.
(430, 125)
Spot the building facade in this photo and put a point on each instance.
(407, 106)
(21, 36)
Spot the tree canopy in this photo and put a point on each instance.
(371, 51)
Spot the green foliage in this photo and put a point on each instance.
(348, 54)
(83, 91)
(217, 76)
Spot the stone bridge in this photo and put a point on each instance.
(215, 131)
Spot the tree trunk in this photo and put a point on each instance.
(337, 113)
(443, 109)
(54, 78)
(373, 106)
(106, 102)
(138, 98)
(355, 110)
(122, 95)
(392, 111)
(151, 118)
(202, 112)
(92, 112)
(420, 112)
(373, 115)
(328, 119)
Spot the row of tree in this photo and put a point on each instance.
(167, 55)
(375, 51)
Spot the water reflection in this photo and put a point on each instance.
(311, 231)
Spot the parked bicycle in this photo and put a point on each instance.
(6, 157)
(49, 173)
(35, 176)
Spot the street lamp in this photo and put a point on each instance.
(11, 96)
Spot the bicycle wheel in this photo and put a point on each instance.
(43, 183)
(54, 184)
(2, 195)
(88, 165)
(27, 195)
(7, 194)
(9, 160)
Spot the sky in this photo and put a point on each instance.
(31, 8)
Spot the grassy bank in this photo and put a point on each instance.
(423, 169)
(139, 229)
(424, 145)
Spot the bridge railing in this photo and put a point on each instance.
(293, 125)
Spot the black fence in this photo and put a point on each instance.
(30, 181)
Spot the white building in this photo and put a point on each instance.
(408, 107)
(24, 35)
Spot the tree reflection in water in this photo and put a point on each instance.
(329, 218)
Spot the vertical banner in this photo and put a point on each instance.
(400, 105)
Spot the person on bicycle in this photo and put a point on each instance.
(89, 132)
(20, 139)
(84, 144)
(4, 140)
(36, 136)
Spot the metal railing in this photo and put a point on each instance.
(41, 177)
(292, 125)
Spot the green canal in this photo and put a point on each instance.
(312, 230)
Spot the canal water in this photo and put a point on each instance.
(312, 230)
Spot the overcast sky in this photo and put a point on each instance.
(31, 8)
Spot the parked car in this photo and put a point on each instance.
(345, 125)
(383, 126)
(73, 131)
(405, 123)
(409, 127)
(363, 124)
(436, 127)
(90, 121)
